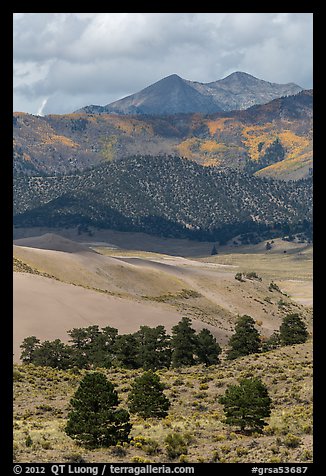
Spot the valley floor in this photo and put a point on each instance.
(63, 280)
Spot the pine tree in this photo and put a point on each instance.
(79, 346)
(126, 348)
(95, 420)
(208, 349)
(247, 404)
(154, 347)
(268, 246)
(146, 397)
(273, 342)
(184, 343)
(29, 346)
(245, 340)
(92, 346)
(53, 354)
(214, 251)
(293, 330)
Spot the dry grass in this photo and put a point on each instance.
(42, 396)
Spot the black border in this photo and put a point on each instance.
(6, 349)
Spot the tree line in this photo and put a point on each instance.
(148, 348)
(151, 348)
(246, 339)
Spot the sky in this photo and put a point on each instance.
(64, 61)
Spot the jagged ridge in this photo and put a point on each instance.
(175, 95)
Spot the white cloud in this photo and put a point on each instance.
(75, 59)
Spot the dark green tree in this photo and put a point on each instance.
(146, 397)
(95, 419)
(293, 330)
(154, 347)
(106, 344)
(268, 246)
(214, 251)
(79, 341)
(273, 342)
(245, 340)
(207, 349)
(184, 343)
(92, 346)
(29, 346)
(126, 349)
(247, 404)
(53, 354)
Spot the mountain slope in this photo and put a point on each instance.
(168, 196)
(66, 143)
(171, 95)
(174, 95)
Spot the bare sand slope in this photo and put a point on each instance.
(47, 309)
(90, 269)
(52, 241)
(299, 291)
(216, 283)
(126, 240)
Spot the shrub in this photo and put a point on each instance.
(28, 441)
(139, 459)
(176, 445)
(291, 441)
(17, 376)
(76, 458)
(242, 451)
(253, 275)
(273, 342)
(119, 450)
(152, 447)
(274, 287)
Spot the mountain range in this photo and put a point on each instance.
(141, 172)
(175, 95)
(273, 139)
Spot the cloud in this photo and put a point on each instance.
(75, 59)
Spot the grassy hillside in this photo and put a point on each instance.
(41, 398)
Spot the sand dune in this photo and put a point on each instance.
(51, 241)
(90, 269)
(146, 288)
(47, 309)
